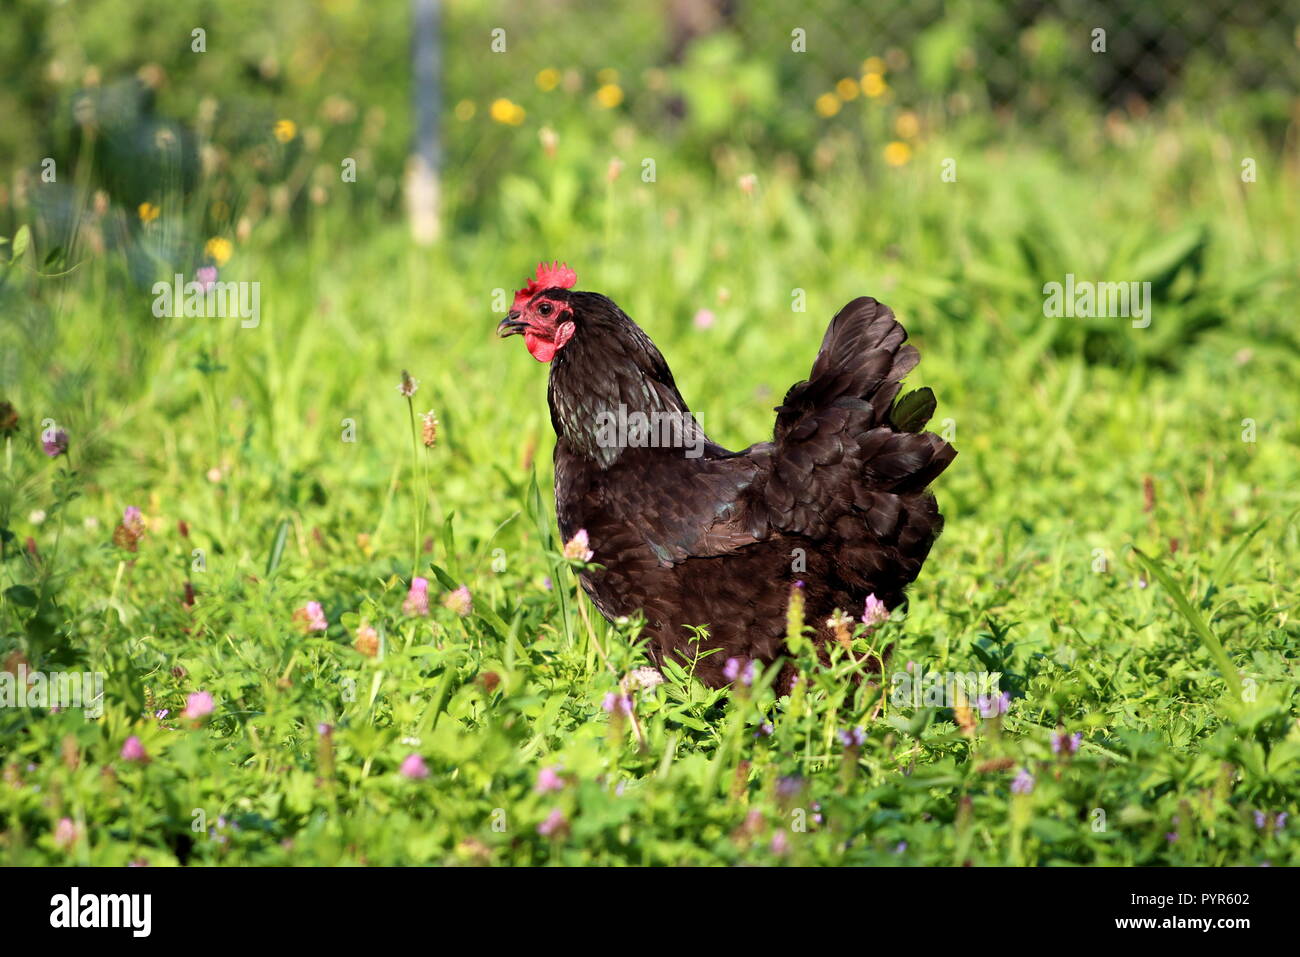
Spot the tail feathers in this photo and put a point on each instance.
(848, 449)
(903, 461)
(861, 360)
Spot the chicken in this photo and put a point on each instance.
(691, 534)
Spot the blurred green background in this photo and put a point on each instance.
(705, 87)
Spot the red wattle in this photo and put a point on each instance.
(543, 350)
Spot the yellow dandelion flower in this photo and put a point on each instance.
(504, 111)
(907, 125)
(828, 104)
(548, 79)
(148, 212)
(609, 96)
(873, 64)
(847, 89)
(219, 250)
(607, 76)
(897, 153)
(465, 110)
(873, 84)
(285, 130)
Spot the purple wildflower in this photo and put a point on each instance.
(789, 787)
(133, 520)
(55, 442)
(739, 669)
(1024, 783)
(413, 768)
(852, 737)
(616, 703)
(990, 706)
(548, 779)
(1066, 744)
(66, 833)
(417, 598)
(874, 611)
(554, 824)
(127, 535)
(133, 751)
(460, 601)
(311, 617)
(198, 705)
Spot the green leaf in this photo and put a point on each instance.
(277, 547)
(443, 694)
(22, 239)
(21, 595)
(1164, 257)
(912, 411)
(1220, 574)
(445, 580)
(449, 544)
(1194, 618)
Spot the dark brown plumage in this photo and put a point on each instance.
(716, 539)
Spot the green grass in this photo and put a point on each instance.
(1179, 672)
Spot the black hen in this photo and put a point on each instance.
(691, 534)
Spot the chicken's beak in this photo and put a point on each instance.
(511, 325)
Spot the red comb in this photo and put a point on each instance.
(548, 276)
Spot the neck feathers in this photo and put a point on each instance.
(610, 390)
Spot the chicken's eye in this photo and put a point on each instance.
(545, 309)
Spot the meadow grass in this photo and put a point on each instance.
(1080, 441)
